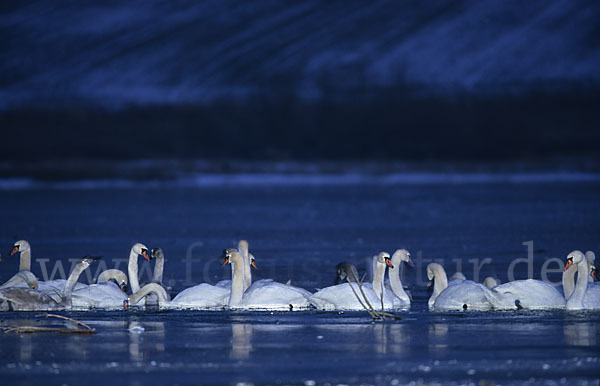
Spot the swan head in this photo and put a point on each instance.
(229, 255)
(86, 261)
(242, 245)
(574, 258)
(252, 261)
(458, 276)
(384, 258)
(141, 249)
(430, 274)
(345, 270)
(403, 255)
(490, 282)
(591, 257)
(594, 273)
(20, 246)
(157, 253)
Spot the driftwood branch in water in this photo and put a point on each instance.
(30, 329)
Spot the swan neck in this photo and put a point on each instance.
(155, 288)
(378, 277)
(132, 269)
(25, 263)
(440, 283)
(72, 280)
(247, 271)
(112, 274)
(581, 285)
(237, 282)
(568, 281)
(158, 269)
(395, 282)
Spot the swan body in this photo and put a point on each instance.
(107, 296)
(529, 294)
(585, 296)
(22, 279)
(201, 296)
(271, 295)
(264, 294)
(27, 299)
(342, 297)
(108, 293)
(462, 295)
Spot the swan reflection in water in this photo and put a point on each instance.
(391, 338)
(384, 338)
(241, 341)
(138, 331)
(438, 337)
(581, 334)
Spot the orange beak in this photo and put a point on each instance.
(226, 261)
(389, 263)
(569, 264)
(145, 254)
(429, 283)
(254, 265)
(14, 250)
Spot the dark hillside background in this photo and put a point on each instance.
(446, 81)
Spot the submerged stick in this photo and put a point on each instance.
(358, 298)
(65, 318)
(29, 329)
(365, 296)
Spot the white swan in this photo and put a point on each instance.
(264, 294)
(342, 297)
(585, 296)
(27, 299)
(568, 278)
(18, 279)
(108, 293)
(249, 263)
(24, 277)
(528, 294)
(400, 256)
(462, 295)
(132, 267)
(157, 274)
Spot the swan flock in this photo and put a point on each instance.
(23, 291)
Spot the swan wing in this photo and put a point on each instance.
(201, 296)
(275, 296)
